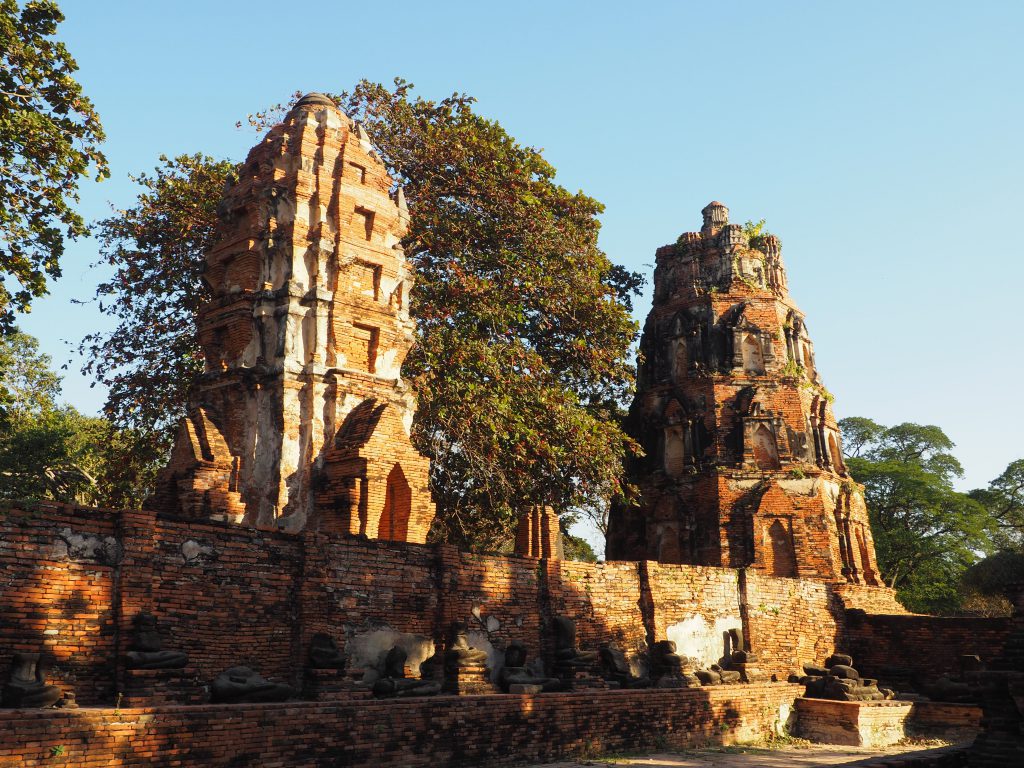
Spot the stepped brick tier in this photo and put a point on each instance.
(301, 418)
(742, 464)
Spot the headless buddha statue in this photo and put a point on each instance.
(146, 650)
(515, 671)
(27, 686)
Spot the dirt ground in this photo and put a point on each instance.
(796, 756)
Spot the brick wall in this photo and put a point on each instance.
(791, 621)
(441, 731)
(56, 593)
(71, 580)
(928, 646)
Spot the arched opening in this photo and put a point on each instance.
(808, 360)
(783, 558)
(837, 457)
(680, 359)
(675, 440)
(766, 454)
(865, 558)
(394, 520)
(753, 357)
(675, 450)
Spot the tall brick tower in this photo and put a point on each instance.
(301, 417)
(743, 466)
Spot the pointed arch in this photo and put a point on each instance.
(766, 453)
(834, 453)
(753, 356)
(782, 553)
(394, 520)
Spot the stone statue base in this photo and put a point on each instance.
(751, 673)
(332, 685)
(575, 678)
(525, 688)
(683, 680)
(468, 681)
(161, 687)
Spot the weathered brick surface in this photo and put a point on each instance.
(792, 621)
(927, 646)
(57, 593)
(853, 723)
(742, 465)
(441, 731)
(301, 417)
(71, 580)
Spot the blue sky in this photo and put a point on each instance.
(881, 141)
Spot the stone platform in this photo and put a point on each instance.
(438, 731)
(853, 723)
(883, 723)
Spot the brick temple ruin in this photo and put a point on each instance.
(301, 417)
(742, 464)
(276, 603)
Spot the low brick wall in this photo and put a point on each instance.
(928, 647)
(435, 732)
(942, 715)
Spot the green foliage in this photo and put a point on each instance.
(49, 137)
(152, 356)
(48, 450)
(524, 330)
(27, 383)
(1004, 498)
(522, 365)
(926, 533)
(756, 233)
(577, 548)
(996, 572)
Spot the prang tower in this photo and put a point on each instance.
(301, 418)
(742, 464)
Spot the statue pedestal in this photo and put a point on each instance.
(751, 673)
(684, 680)
(577, 678)
(332, 685)
(468, 681)
(525, 688)
(161, 687)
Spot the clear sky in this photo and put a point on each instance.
(880, 140)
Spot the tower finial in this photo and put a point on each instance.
(716, 216)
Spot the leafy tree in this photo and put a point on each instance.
(1004, 499)
(576, 548)
(47, 450)
(523, 323)
(926, 533)
(27, 383)
(151, 357)
(49, 138)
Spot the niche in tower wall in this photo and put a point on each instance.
(751, 348)
(684, 439)
(846, 544)
(827, 452)
(765, 445)
(797, 343)
(778, 551)
(672, 530)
